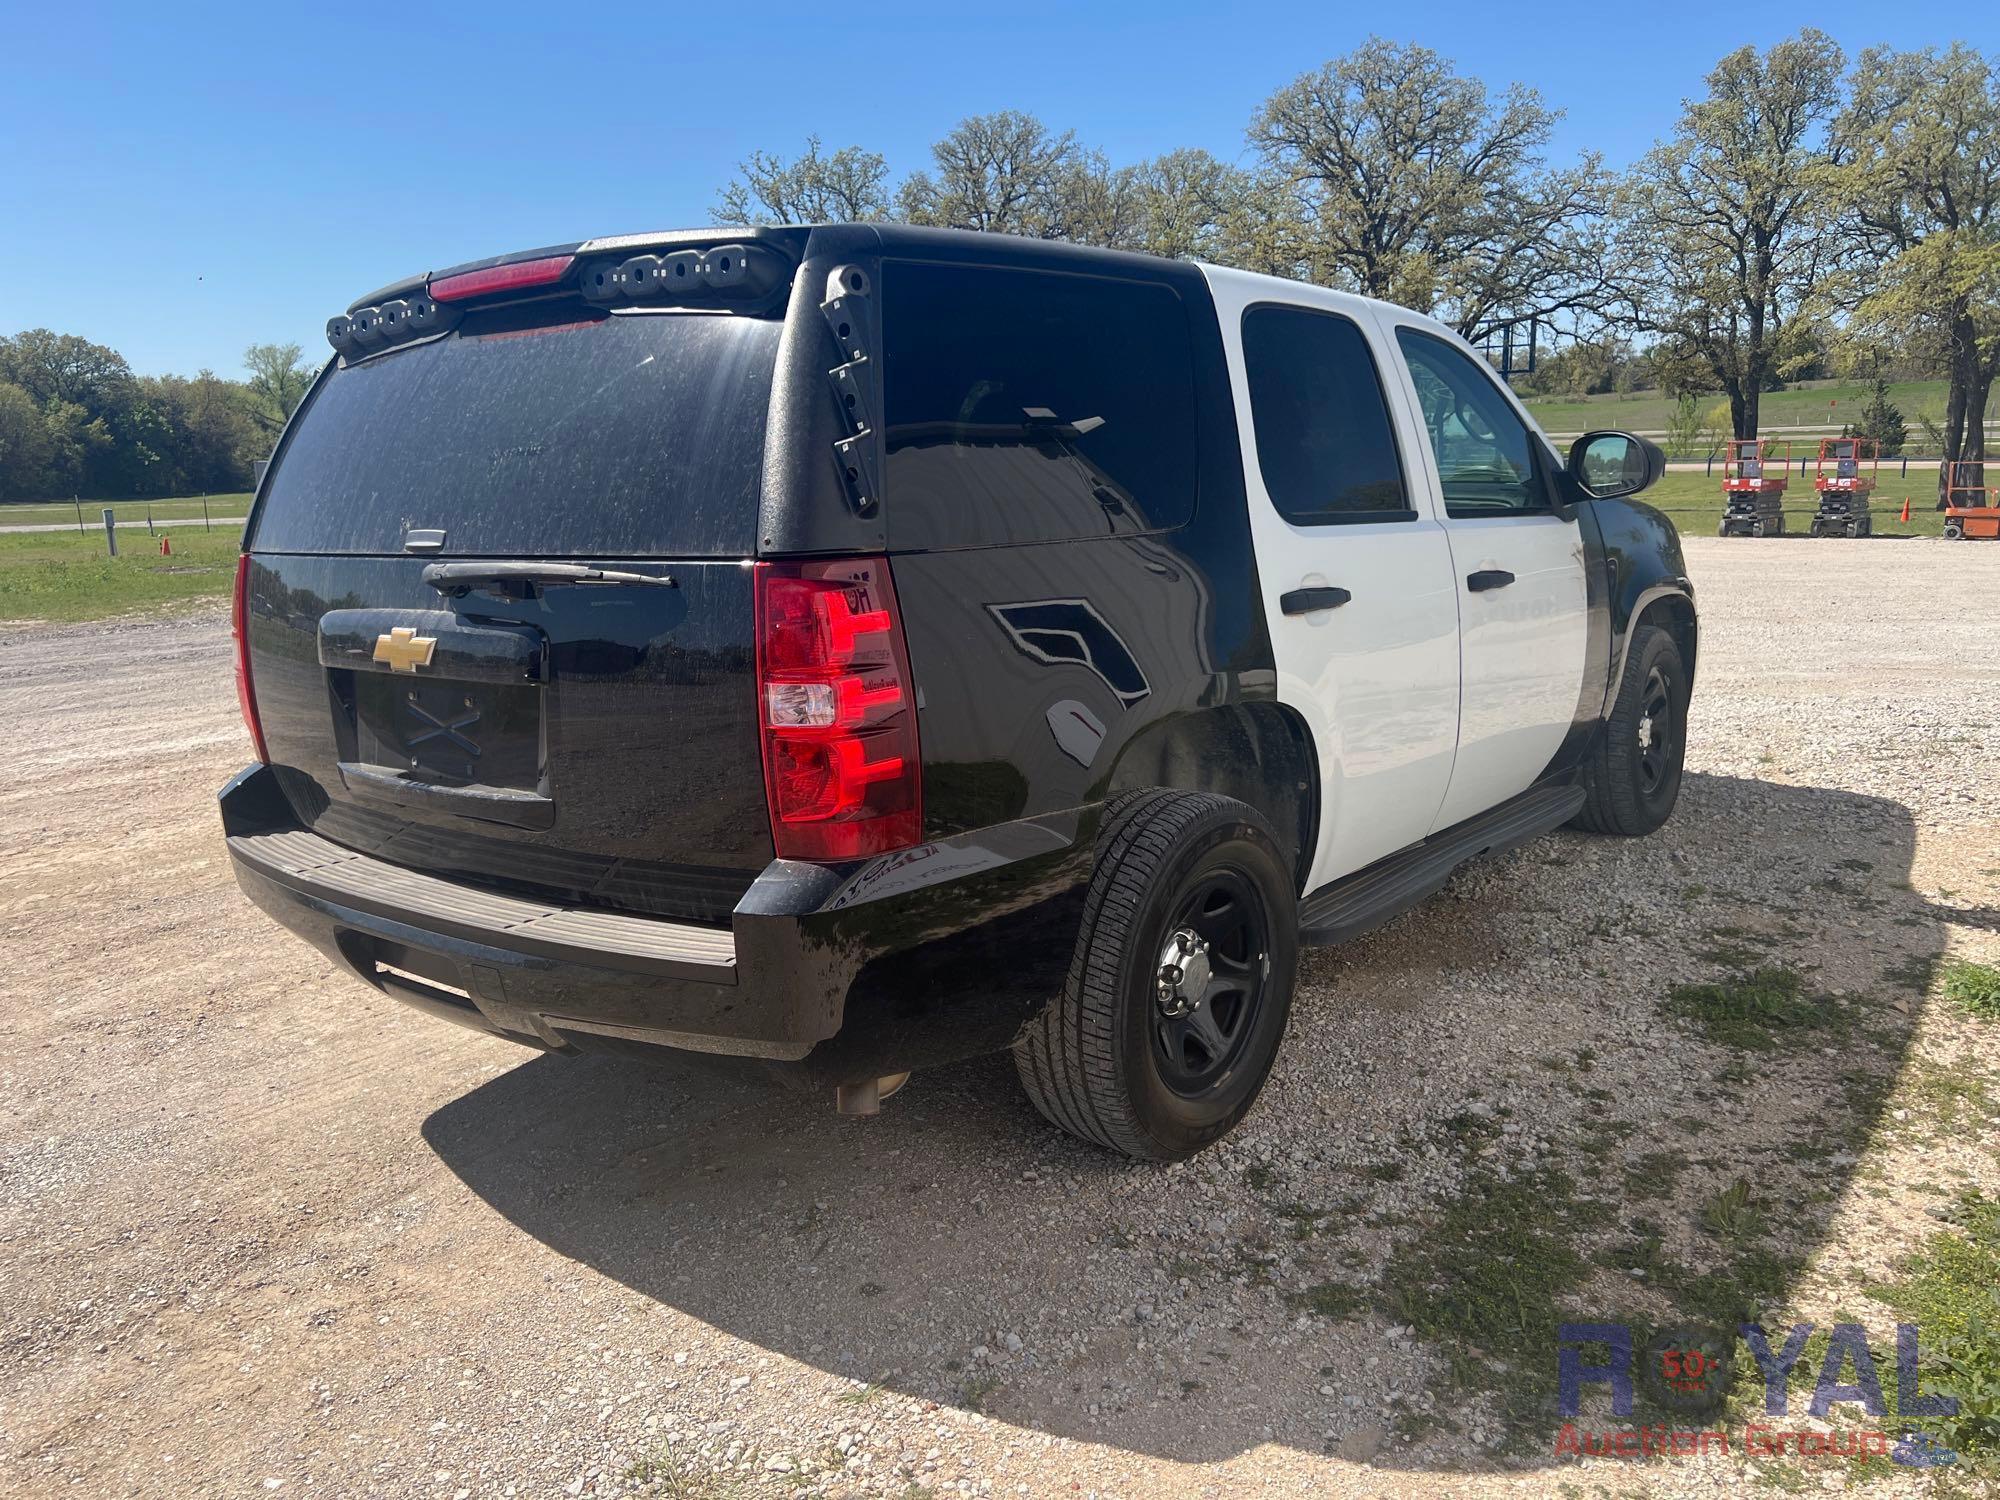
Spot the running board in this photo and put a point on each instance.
(1363, 901)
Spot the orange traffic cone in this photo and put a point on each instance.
(1906, 510)
(166, 548)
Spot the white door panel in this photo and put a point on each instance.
(1522, 655)
(1375, 679)
(1521, 645)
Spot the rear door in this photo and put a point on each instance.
(596, 741)
(1355, 570)
(1518, 570)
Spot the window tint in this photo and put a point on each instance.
(1026, 407)
(598, 436)
(1325, 446)
(1485, 454)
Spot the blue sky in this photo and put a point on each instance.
(182, 181)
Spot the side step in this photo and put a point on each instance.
(1363, 901)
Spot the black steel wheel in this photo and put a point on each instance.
(1181, 985)
(1214, 969)
(1658, 733)
(1632, 776)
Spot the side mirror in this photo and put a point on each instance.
(1611, 464)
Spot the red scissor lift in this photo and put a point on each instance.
(1753, 487)
(1844, 479)
(1970, 508)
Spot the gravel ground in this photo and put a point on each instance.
(262, 1230)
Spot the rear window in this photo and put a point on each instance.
(1026, 406)
(607, 435)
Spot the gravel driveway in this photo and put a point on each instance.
(263, 1230)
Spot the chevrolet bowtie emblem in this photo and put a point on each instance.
(404, 650)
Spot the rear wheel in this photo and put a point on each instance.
(1181, 985)
(1633, 778)
(1953, 530)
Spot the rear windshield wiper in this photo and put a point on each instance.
(462, 577)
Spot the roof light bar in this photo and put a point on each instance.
(508, 278)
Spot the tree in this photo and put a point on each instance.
(279, 380)
(1724, 227)
(1921, 137)
(1684, 425)
(850, 186)
(1407, 182)
(53, 366)
(1881, 421)
(1006, 173)
(24, 445)
(1186, 202)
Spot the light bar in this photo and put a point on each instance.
(507, 278)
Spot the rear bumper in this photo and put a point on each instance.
(935, 953)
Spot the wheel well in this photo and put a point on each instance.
(1260, 754)
(1674, 613)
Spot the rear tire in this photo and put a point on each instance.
(1632, 778)
(1121, 1058)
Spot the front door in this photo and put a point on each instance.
(1518, 568)
(1353, 564)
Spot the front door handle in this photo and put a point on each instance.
(1305, 601)
(1488, 578)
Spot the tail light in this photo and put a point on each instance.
(239, 627)
(513, 277)
(835, 700)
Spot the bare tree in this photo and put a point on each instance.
(1407, 182)
(1726, 225)
(850, 186)
(1005, 173)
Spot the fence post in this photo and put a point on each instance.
(149, 519)
(77, 501)
(111, 530)
(204, 510)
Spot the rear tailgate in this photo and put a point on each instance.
(595, 742)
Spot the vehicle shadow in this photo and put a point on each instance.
(1173, 1312)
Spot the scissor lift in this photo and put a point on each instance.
(1971, 508)
(1844, 479)
(1754, 476)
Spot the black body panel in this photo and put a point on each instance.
(650, 741)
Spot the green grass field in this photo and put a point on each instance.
(1647, 411)
(1694, 501)
(61, 576)
(225, 510)
(65, 577)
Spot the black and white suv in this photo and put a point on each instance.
(858, 648)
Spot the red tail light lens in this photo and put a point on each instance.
(239, 627)
(508, 278)
(836, 704)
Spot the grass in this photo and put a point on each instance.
(1693, 502)
(1974, 989)
(1647, 411)
(1951, 1290)
(54, 576)
(223, 510)
(1751, 1011)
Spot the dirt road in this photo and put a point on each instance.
(261, 1230)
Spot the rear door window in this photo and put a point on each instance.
(599, 435)
(1028, 406)
(1325, 447)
